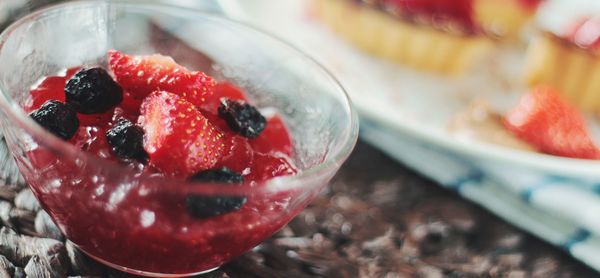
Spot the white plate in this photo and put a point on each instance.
(410, 103)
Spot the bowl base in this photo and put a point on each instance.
(140, 272)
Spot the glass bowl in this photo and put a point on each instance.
(138, 222)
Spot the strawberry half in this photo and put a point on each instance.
(546, 121)
(179, 140)
(141, 75)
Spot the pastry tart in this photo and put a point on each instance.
(441, 36)
(569, 62)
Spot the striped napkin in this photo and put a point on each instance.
(560, 211)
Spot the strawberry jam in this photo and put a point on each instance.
(445, 14)
(530, 4)
(142, 218)
(457, 16)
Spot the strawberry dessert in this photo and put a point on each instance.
(158, 119)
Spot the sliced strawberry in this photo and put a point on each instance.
(179, 140)
(275, 138)
(130, 104)
(269, 166)
(545, 120)
(141, 75)
(222, 90)
(238, 155)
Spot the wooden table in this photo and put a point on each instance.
(377, 219)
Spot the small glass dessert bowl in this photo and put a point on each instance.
(141, 221)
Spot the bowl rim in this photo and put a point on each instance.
(325, 168)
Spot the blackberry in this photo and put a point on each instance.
(126, 140)
(242, 118)
(208, 206)
(57, 118)
(92, 91)
(223, 175)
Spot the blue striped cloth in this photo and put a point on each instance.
(558, 210)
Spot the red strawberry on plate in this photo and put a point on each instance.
(141, 75)
(546, 121)
(238, 155)
(179, 140)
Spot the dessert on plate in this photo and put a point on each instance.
(569, 62)
(446, 37)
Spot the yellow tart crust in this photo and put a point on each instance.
(573, 71)
(417, 46)
(506, 18)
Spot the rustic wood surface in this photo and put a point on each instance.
(377, 219)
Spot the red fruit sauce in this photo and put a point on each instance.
(444, 14)
(530, 4)
(145, 229)
(439, 12)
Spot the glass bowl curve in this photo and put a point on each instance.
(137, 222)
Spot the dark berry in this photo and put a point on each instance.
(208, 206)
(126, 139)
(57, 118)
(223, 175)
(242, 118)
(92, 91)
